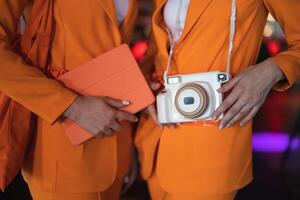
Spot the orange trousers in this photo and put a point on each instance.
(157, 193)
(113, 193)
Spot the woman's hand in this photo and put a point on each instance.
(249, 90)
(133, 172)
(151, 110)
(99, 115)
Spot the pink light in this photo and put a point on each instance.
(273, 142)
(139, 49)
(274, 47)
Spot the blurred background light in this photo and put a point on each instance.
(269, 30)
(139, 49)
(273, 142)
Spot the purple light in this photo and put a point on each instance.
(273, 142)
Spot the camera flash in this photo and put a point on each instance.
(174, 80)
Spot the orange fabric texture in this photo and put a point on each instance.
(112, 193)
(16, 122)
(82, 31)
(157, 193)
(203, 159)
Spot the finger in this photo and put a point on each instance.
(147, 111)
(133, 173)
(116, 103)
(100, 134)
(250, 115)
(107, 132)
(115, 126)
(171, 126)
(230, 84)
(126, 116)
(231, 113)
(96, 131)
(154, 85)
(93, 131)
(229, 100)
(242, 113)
(152, 112)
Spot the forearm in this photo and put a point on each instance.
(287, 15)
(289, 63)
(23, 83)
(30, 87)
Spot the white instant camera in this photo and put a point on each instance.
(190, 97)
(193, 97)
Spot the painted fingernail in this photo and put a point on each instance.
(221, 126)
(126, 103)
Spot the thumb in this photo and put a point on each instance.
(152, 112)
(116, 103)
(154, 85)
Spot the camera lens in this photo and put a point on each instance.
(191, 100)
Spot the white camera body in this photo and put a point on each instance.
(190, 97)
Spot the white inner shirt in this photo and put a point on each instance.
(175, 12)
(121, 7)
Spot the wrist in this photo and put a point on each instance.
(72, 109)
(276, 72)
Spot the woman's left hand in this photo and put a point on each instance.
(133, 172)
(249, 90)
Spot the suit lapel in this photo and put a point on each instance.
(159, 29)
(129, 21)
(195, 10)
(109, 8)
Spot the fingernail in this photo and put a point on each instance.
(228, 125)
(221, 126)
(241, 124)
(214, 117)
(126, 103)
(136, 119)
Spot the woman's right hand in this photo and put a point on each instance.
(151, 109)
(99, 115)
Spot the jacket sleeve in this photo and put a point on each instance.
(287, 14)
(23, 83)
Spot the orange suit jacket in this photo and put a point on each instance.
(82, 30)
(204, 159)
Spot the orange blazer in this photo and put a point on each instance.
(204, 159)
(82, 30)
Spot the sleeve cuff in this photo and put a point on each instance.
(59, 107)
(287, 67)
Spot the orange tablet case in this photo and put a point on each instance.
(114, 74)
